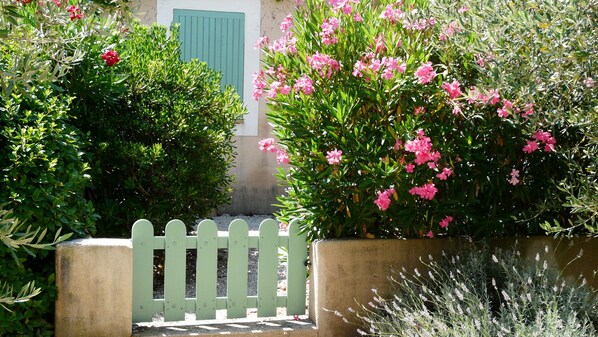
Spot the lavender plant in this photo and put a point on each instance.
(484, 293)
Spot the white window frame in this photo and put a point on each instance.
(252, 11)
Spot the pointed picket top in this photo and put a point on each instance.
(207, 261)
(142, 237)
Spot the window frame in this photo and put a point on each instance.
(252, 10)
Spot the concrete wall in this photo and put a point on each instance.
(255, 188)
(94, 281)
(344, 272)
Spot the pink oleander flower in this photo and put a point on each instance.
(284, 45)
(425, 73)
(547, 139)
(589, 82)
(334, 157)
(422, 148)
(391, 14)
(304, 84)
(453, 89)
(261, 42)
(528, 110)
(357, 17)
(446, 172)
(277, 88)
(383, 200)
(259, 85)
(324, 64)
(286, 23)
(463, 9)
(75, 13)
(530, 147)
(57, 2)
(502, 112)
(359, 68)
(282, 157)
(419, 110)
(398, 145)
(456, 109)
(430, 234)
(267, 145)
(409, 168)
(494, 96)
(514, 177)
(110, 57)
(329, 26)
(426, 191)
(446, 221)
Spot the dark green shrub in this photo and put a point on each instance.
(160, 131)
(484, 293)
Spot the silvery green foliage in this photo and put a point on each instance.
(483, 292)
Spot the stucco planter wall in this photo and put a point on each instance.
(344, 272)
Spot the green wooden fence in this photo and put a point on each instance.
(238, 241)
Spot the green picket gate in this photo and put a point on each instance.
(238, 241)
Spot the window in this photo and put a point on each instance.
(222, 34)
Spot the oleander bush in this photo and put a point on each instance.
(421, 118)
(483, 292)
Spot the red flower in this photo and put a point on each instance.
(111, 58)
(75, 12)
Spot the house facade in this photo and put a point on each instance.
(223, 33)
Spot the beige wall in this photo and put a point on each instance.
(255, 188)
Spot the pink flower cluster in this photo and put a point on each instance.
(425, 73)
(420, 24)
(304, 84)
(540, 137)
(514, 177)
(445, 173)
(452, 89)
(261, 42)
(324, 64)
(268, 145)
(446, 221)
(343, 5)
(369, 65)
(422, 148)
(328, 28)
(426, 191)
(284, 45)
(286, 23)
(383, 200)
(334, 157)
(259, 84)
(392, 14)
(448, 31)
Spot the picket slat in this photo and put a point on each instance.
(267, 277)
(143, 263)
(174, 271)
(296, 272)
(206, 268)
(236, 282)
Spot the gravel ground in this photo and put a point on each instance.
(223, 221)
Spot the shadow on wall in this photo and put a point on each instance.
(252, 200)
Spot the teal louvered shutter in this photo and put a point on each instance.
(216, 38)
